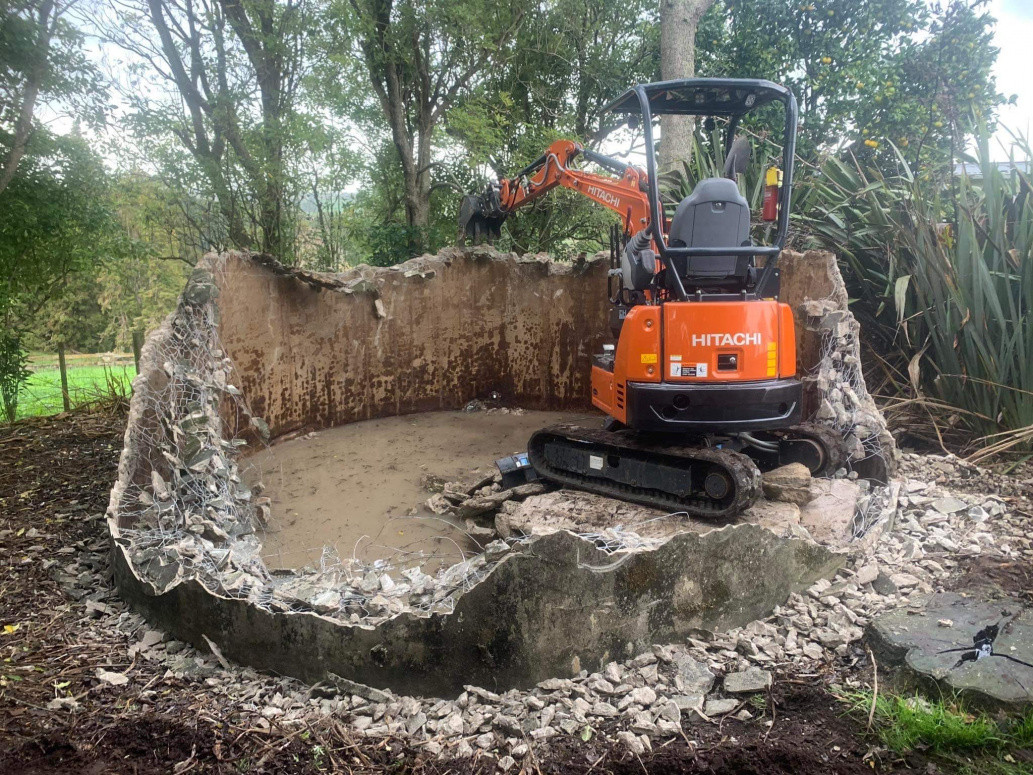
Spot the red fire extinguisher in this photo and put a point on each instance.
(772, 182)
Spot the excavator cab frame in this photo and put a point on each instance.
(730, 98)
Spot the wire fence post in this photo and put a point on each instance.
(64, 377)
(137, 346)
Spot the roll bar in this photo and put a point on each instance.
(686, 103)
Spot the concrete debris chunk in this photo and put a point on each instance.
(719, 707)
(747, 681)
(111, 678)
(790, 483)
(347, 686)
(949, 505)
(643, 696)
(632, 742)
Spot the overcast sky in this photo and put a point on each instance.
(1014, 36)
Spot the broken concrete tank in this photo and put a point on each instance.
(255, 351)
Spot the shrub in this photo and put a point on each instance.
(13, 372)
(949, 266)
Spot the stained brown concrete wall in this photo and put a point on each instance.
(323, 350)
(317, 350)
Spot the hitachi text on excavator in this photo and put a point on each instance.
(700, 389)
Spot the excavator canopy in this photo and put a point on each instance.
(701, 97)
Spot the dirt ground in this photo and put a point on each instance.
(55, 475)
(360, 488)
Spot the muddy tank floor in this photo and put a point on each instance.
(360, 488)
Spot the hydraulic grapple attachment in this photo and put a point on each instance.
(480, 217)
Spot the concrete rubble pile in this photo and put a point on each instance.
(829, 336)
(949, 510)
(190, 514)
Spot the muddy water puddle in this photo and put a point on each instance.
(360, 488)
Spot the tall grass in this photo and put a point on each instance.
(947, 267)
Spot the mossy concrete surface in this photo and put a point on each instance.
(935, 643)
(553, 607)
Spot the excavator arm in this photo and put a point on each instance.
(481, 216)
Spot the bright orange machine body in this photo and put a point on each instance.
(677, 341)
(759, 334)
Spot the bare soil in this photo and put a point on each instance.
(361, 488)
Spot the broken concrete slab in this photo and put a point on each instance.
(747, 681)
(587, 513)
(309, 351)
(828, 518)
(559, 602)
(980, 648)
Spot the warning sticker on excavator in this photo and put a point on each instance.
(697, 370)
(649, 357)
(595, 462)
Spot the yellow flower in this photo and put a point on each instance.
(826, 60)
(871, 143)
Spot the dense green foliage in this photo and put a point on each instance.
(945, 275)
(338, 132)
(867, 74)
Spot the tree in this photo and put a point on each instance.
(43, 63)
(865, 73)
(568, 62)
(230, 71)
(418, 58)
(57, 222)
(679, 20)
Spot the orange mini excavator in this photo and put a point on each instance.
(700, 389)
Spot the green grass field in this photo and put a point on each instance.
(89, 379)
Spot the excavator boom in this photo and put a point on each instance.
(481, 215)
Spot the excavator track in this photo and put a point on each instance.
(702, 481)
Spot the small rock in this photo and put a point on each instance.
(670, 711)
(506, 762)
(747, 682)
(904, 580)
(643, 696)
(719, 707)
(949, 505)
(884, 585)
(812, 650)
(632, 742)
(866, 574)
(453, 725)
(113, 679)
(790, 484)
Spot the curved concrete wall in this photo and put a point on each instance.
(431, 335)
(311, 350)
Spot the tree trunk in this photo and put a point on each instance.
(33, 83)
(678, 22)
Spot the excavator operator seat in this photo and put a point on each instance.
(715, 214)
